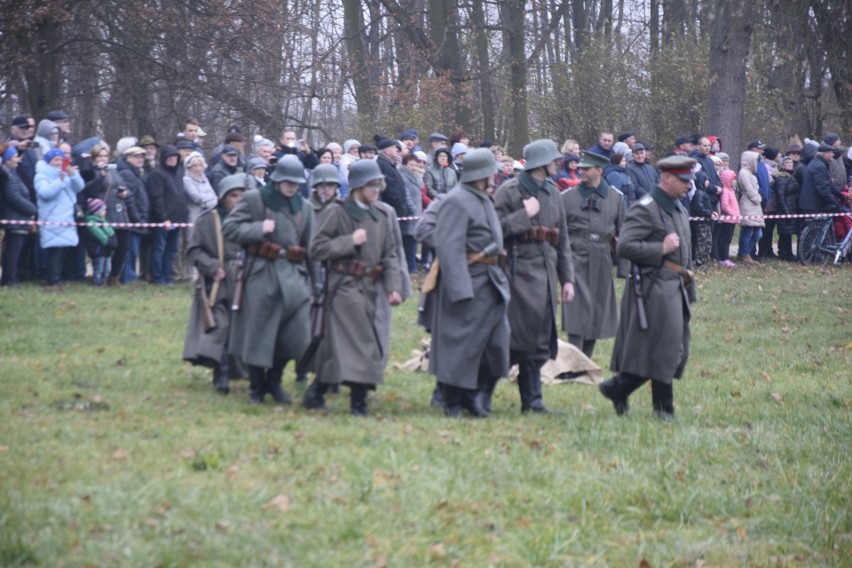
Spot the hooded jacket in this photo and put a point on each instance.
(56, 200)
(165, 190)
(750, 199)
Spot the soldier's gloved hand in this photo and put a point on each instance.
(532, 206)
(670, 243)
(395, 298)
(268, 226)
(359, 237)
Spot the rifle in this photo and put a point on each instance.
(207, 317)
(636, 277)
(240, 281)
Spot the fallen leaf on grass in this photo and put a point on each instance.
(776, 397)
(437, 551)
(223, 526)
(741, 533)
(4, 449)
(187, 454)
(381, 478)
(119, 455)
(120, 362)
(644, 564)
(736, 394)
(280, 502)
(153, 523)
(785, 329)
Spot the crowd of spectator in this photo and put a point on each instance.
(130, 208)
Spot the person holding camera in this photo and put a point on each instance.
(57, 184)
(109, 187)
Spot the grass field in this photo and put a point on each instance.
(114, 452)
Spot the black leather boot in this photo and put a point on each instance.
(452, 401)
(315, 396)
(529, 387)
(273, 382)
(662, 396)
(437, 397)
(220, 375)
(257, 380)
(613, 390)
(472, 402)
(358, 400)
(485, 392)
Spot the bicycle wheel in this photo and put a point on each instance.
(811, 242)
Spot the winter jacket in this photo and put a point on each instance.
(134, 181)
(106, 187)
(616, 176)
(165, 191)
(394, 193)
(728, 202)
(700, 205)
(644, 177)
(785, 191)
(15, 201)
(99, 240)
(200, 196)
(56, 202)
(750, 199)
(439, 179)
(219, 171)
(413, 198)
(817, 195)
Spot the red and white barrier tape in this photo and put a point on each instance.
(186, 225)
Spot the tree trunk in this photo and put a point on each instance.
(486, 87)
(514, 13)
(729, 50)
(356, 48)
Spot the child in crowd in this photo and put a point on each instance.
(730, 208)
(100, 240)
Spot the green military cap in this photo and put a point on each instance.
(592, 160)
(680, 166)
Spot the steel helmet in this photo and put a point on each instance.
(289, 168)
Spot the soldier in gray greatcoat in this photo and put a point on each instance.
(275, 225)
(355, 242)
(470, 328)
(595, 213)
(215, 259)
(655, 237)
(540, 267)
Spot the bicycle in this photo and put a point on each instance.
(817, 244)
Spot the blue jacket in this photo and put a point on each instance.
(763, 182)
(56, 201)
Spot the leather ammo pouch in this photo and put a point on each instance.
(686, 275)
(266, 249)
(541, 234)
(296, 254)
(358, 269)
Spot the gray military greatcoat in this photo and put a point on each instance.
(471, 324)
(661, 351)
(594, 217)
(537, 270)
(351, 350)
(200, 347)
(274, 319)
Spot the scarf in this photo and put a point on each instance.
(275, 200)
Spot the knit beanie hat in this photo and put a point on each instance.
(93, 205)
(831, 138)
(50, 154)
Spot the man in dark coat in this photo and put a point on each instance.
(595, 214)
(216, 261)
(355, 242)
(656, 239)
(394, 192)
(540, 267)
(272, 326)
(643, 174)
(818, 195)
(227, 165)
(131, 169)
(470, 330)
(169, 206)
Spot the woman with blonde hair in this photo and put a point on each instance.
(199, 193)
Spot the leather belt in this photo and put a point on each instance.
(594, 237)
(274, 251)
(496, 260)
(539, 235)
(686, 275)
(357, 269)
